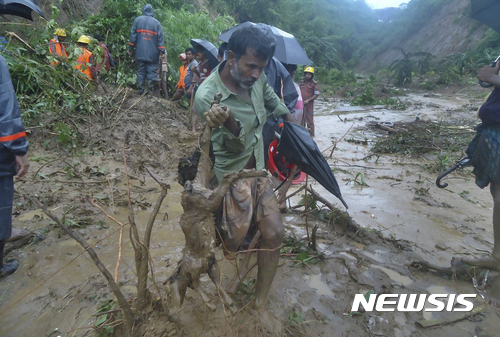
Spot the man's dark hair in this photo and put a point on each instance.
(189, 49)
(290, 67)
(199, 49)
(254, 38)
(98, 37)
(222, 49)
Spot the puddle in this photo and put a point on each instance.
(30, 215)
(404, 280)
(378, 255)
(321, 287)
(436, 289)
(348, 255)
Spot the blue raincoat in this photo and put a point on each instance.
(12, 132)
(146, 37)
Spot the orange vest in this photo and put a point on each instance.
(57, 48)
(83, 63)
(183, 71)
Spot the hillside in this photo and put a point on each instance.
(449, 31)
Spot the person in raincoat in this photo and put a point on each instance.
(237, 124)
(310, 91)
(485, 152)
(56, 45)
(13, 160)
(146, 38)
(85, 63)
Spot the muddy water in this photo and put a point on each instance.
(388, 202)
(67, 302)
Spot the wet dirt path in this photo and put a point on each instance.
(305, 300)
(440, 222)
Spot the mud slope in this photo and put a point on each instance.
(447, 32)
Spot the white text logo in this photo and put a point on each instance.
(413, 302)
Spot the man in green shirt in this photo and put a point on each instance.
(237, 124)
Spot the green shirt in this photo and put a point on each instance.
(232, 153)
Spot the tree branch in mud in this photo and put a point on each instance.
(127, 310)
(141, 249)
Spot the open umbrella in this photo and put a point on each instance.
(211, 51)
(486, 11)
(288, 49)
(22, 8)
(299, 148)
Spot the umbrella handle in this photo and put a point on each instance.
(466, 161)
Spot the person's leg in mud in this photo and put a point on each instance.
(179, 92)
(152, 77)
(7, 192)
(309, 120)
(194, 116)
(272, 231)
(492, 261)
(141, 76)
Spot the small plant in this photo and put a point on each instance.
(66, 136)
(360, 179)
(366, 97)
(428, 85)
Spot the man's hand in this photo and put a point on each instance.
(488, 74)
(163, 56)
(217, 115)
(129, 52)
(22, 165)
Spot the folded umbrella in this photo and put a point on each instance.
(211, 51)
(299, 148)
(486, 11)
(22, 8)
(288, 49)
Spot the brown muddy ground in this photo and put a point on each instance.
(58, 291)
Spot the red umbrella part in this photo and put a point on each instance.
(280, 167)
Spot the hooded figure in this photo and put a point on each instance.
(280, 80)
(146, 38)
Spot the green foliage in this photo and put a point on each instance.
(180, 23)
(360, 179)
(366, 96)
(442, 163)
(421, 137)
(402, 69)
(337, 78)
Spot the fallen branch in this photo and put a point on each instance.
(125, 306)
(385, 128)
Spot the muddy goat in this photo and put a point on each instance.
(197, 224)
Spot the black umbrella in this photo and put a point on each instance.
(299, 148)
(22, 8)
(487, 12)
(288, 49)
(211, 51)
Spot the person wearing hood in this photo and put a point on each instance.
(146, 38)
(13, 160)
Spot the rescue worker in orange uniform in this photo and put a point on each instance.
(310, 91)
(179, 92)
(56, 45)
(86, 62)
